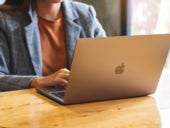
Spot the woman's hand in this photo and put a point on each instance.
(58, 78)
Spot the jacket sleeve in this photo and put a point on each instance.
(9, 81)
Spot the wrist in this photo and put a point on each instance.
(36, 82)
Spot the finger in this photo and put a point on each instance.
(62, 82)
(65, 76)
(62, 72)
(65, 70)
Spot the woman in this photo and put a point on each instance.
(37, 40)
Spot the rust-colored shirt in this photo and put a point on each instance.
(52, 45)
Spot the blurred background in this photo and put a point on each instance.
(2, 1)
(133, 17)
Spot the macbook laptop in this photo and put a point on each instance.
(113, 68)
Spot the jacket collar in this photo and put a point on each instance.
(69, 12)
(72, 29)
(33, 39)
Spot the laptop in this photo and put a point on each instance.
(113, 68)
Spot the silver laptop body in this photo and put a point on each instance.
(113, 68)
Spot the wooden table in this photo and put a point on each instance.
(28, 109)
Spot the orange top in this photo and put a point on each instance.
(52, 44)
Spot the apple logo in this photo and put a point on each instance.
(120, 69)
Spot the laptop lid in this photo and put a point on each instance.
(116, 67)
